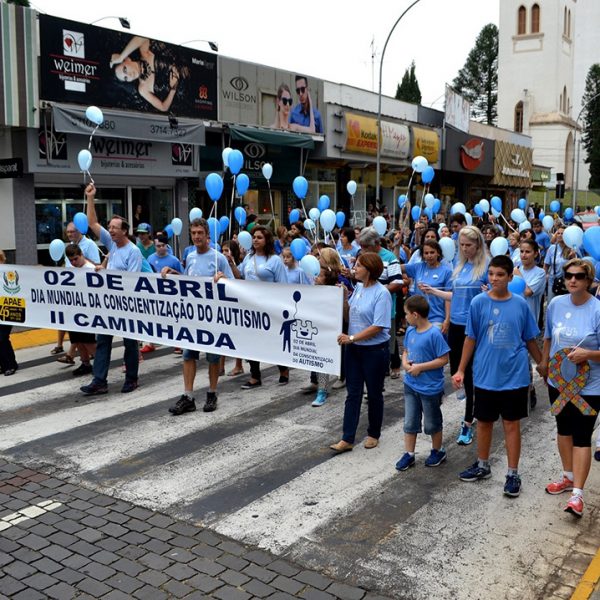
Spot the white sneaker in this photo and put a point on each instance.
(310, 388)
(338, 384)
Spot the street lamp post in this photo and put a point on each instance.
(213, 45)
(378, 168)
(576, 151)
(124, 22)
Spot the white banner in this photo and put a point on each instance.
(294, 326)
(457, 110)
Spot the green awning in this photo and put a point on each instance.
(269, 136)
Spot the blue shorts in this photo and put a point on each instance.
(421, 407)
(195, 355)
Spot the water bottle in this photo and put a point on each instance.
(461, 394)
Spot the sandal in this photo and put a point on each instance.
(401, 331)
(57, 350)
(66, 360)
(235, 372)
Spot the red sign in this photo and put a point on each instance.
(472, 154)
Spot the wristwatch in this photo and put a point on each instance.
(351, 338)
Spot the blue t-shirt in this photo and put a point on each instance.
(188, 250)
(567, 325)
(422, 347)
(298, 276)
(157, 262)
(501, 330)
(464, 289)
(543, 240)
(124, 258)
(535, 278)
(203, 265)
(554, 265)
(261, 268)
(438, 277)
(370, 306)
(301, 118)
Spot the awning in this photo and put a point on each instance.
(129, 125)
(269, 136)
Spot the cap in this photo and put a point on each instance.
(143, 228)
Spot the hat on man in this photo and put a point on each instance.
(143, 228)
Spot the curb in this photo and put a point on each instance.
(589, 581)
(33, 337)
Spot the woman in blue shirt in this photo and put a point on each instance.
(367, 350)
(558, 254)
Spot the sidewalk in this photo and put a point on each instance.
(62, 541)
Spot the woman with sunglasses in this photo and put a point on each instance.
(283, 106)
(572, 348)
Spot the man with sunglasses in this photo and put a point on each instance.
(301, 113)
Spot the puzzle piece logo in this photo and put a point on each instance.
(304, 330)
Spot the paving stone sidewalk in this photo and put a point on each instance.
(58, 540)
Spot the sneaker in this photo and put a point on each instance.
(320, 399)
(558, 487)
(338, 384)
(148, 348)
(129, 386)
(465, 437)
(475, 473)
(436, 457)
(249, 385)
(512, 487)
(83, 370)
(405, 462)
(310, 388)
(575, 506)
(597, 454)
(211, 402)
(94, 389)
(183, 405)
(532, 399)
(284, 379)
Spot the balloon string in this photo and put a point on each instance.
(271, 199)
(92, 135)
(232, 202)
(507, 223)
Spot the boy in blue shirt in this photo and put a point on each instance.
(424, 357)
(500, 331)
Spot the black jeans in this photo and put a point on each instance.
(7, 354)
(456, 340)
(255, 369)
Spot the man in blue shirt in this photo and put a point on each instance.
(161, 257)
(301, 113)
(542, 239)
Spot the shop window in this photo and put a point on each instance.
(535, 18)
(519, 117)
(522, 21)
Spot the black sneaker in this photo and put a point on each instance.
(183, 405)
(249, 385)
(94, 389)
(83, 370)
(129, 386)
(211, 402)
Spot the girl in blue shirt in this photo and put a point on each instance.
(558, 254)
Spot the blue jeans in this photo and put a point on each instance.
(419, 406)
(102, 359)
(365, 365)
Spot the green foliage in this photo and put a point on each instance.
(408, 90)
(591, 124)
(477, 81)
(24, 3)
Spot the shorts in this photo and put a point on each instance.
(195, 355)
(426, 407)
(511, 405)
(81, 337)
(570, 421)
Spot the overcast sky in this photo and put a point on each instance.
(326, 39)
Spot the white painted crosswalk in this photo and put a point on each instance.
(259, 470)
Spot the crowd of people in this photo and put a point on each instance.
(409, 305)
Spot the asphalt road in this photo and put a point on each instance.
(259, 470)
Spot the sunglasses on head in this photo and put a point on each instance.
(578, 276)
(301, 90)
(285, 101)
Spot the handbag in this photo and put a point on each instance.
(558, 285)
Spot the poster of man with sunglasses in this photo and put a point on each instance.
(305, 117)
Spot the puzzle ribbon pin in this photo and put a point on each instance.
(568, 390)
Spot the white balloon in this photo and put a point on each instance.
(458, 207)
(448, 248)
(499, 246)
(310, 265)
(327, 220)
(314, 214)
(495, 213)
(177, 225)
(429, 200)
(94, 114)
(573, 236)
(225, 155)
(524, 225)
(56, 249)
(84, 158)
(351, 187)
(468, 219)
(548, 223)
(419, 164)
(484, 205)
(380, 225)
(195, 213)
(267, 171)
(245, 240)
(518, 216)
(308, 224)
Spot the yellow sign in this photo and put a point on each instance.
(426, 143)
(12, 309)
(361, 134)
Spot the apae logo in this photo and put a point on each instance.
(11, 282)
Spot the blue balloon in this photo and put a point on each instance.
(294, 215)
(437, 204)
(522, 203)
(56, 249)
(214, 228)
(80, 221)
(401, 201)
(223, 224)
(517, 285)
(240, 215)
(169, 230)
(591, 241)
(428, 212)
(478, 210)
(555, 206)
(300, 186)
(427, 175)
(298, 249)
(496, 203)
(235, 161)
(415, 212)
(323, 203)
(541, 215)
(340, 218)
(568, 213)
(214, 186)
(242, 183)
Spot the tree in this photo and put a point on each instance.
(19, 2)
(591, 124)
(477, 81)
(408, 90)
